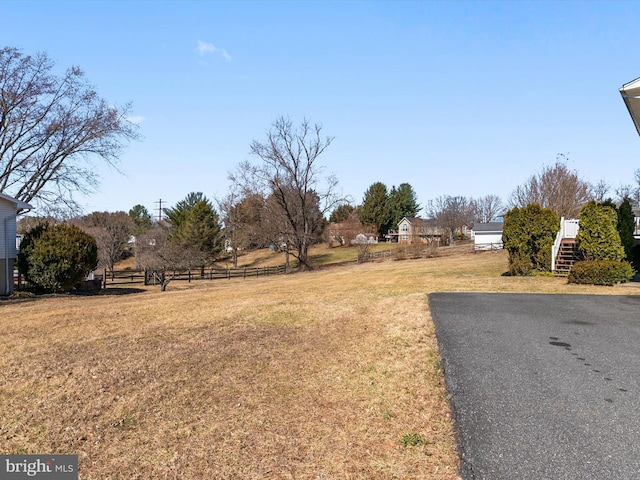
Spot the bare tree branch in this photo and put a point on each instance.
(556, 187)
(288, 176)
(50, 129)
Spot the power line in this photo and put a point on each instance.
(159, 209)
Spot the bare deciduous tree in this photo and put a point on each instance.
(26, 223)
(112, 232)
(50, 127)
(599, 190)
(346, 231)
(244, 223)
(487, 208)
(288, 175)
(556, 187)
(165, 258)
(632, 192)
(451, 214)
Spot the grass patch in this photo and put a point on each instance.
(413, 440)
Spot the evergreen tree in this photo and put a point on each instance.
(141, 219)
(598, 237)
(528, 236)
(402, 203)
(178, 214)
(374, 209)
(201, 229)
(626, 227)
(195, 224)
(341, 213)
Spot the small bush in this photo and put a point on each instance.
(55, 258)
(600, 272)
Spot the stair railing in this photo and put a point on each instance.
(568, 229)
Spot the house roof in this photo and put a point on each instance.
(19, 203)
(488, 227)
(415, 220)
(631, 95)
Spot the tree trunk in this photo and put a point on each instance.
(303, 253)
(286, 259)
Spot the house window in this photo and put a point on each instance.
(404, 228)
(405, 237)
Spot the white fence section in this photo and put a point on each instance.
(568, 229)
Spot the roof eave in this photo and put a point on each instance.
(630, 93)
(19, 203)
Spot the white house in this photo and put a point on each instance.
(487, 236)
(9, 207)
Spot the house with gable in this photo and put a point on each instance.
(416, 230)
(9, 208)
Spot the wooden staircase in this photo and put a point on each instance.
(567, 256)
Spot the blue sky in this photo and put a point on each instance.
(455, 98)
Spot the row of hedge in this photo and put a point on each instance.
(600, 272)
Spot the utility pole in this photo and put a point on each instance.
(159, 209)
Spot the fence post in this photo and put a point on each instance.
(189, 275)
(104, 278)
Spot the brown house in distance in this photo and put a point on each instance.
(415, 230)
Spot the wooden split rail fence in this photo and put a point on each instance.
(371, 256)
(148, 277)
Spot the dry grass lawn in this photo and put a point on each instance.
(332, 374)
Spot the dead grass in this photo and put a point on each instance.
(319, 255)
(314, 375)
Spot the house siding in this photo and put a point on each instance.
(404, 231)
(8, 237)
(8, 211)
(417, 230)
(487, 236)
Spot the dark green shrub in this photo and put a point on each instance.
(528, 234)
(600, 272)
(57, 257)
(519, 263)
(598, 237)
(626, 228)
(26, 246)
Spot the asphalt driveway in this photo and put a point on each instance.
(542, 386)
